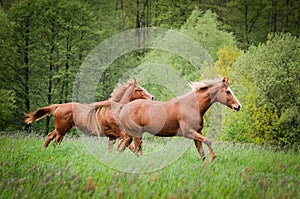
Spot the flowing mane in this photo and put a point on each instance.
(120, 90)
(204, 84)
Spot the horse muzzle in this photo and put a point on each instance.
(237, 108)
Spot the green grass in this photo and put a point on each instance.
(70, 171)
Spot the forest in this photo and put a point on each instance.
(255, 43)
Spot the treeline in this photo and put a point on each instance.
(255, 43)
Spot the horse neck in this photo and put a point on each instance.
(206, 98)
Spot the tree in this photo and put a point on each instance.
(56, 38)
(205, 29)
(252, 21)
(227, 56)
(22, 16)
(7, 58)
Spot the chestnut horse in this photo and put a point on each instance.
(181, 116)
(84, 116)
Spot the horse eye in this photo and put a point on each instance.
(228, 92)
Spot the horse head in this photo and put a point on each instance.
(140, 93)
(227, 97)
(123, 94)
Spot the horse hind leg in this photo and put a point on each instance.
(61, 129)
(138, 146)
(58, 139)
(50, 137)
(125, 143)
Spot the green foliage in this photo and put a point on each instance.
(252, 21)
(171, 14)
(52, 38)
(43, 43)
(269, 76)
(205, 29)
(7, 59)
(7, 108)
(70, 171)
(7, 55)
(239, 126)
(227, 56)
(288, 128)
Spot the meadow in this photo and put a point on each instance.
(73, 171)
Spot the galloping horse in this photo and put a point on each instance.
(181, 116)
(84, 116)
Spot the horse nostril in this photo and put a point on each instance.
(153, 98)
(237, 108)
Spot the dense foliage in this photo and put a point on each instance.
(269, 89)
(256, 43)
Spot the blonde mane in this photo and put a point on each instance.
(204, 84)
(120, 90)
(103, 109)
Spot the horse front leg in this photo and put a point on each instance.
(192, 134)
(200, 150)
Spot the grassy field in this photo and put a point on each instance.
(73, 171)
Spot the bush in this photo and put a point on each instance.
(268, 77)
(288, 128)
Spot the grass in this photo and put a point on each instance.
(73, 170)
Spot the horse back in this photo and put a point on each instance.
(158, 118)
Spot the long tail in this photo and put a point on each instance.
(40, 113)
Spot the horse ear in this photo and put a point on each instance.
(134, 81)
(225, 80)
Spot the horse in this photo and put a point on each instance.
(84, 116)
(181, 116)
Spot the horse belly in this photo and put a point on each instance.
(164, 121)
(169, 129)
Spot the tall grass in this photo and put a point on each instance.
(70, 171)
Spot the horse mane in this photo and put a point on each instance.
(105, 107)
(120, 90)
(204, 84)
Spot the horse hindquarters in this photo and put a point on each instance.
(63, 122)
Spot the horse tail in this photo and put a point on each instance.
(40, 113)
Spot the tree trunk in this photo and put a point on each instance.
(274, 15)
(137, 23)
